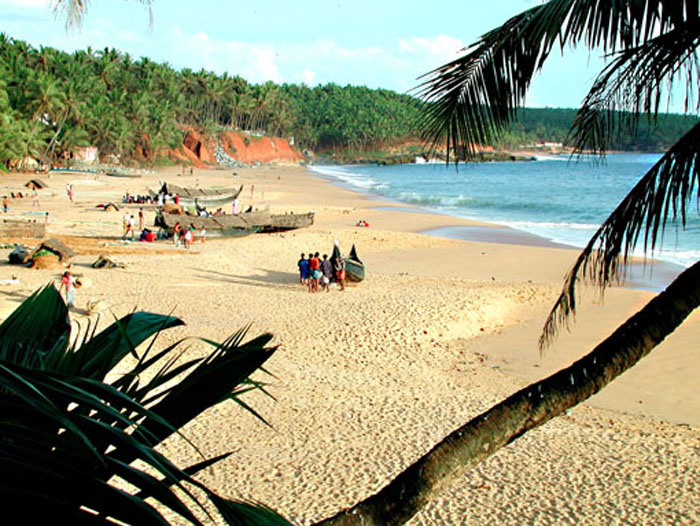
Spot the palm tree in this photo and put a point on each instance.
(69, 436)
(75, 10)
(471, 101)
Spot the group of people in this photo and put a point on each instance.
(184, 235)
(316, 272)
(137, 199)
(129, 223)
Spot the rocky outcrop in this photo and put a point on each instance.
(249, 149)
(232, 149)
(199, 145)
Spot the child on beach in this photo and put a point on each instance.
(5, 204)
(68, 283)
(202, 234)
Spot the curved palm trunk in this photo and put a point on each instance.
(528, 408)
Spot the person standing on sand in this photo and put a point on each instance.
(236, 206)
(35, 198)
(125, 223)
(5, 204)
(176, 234)
(327, 271)
(315, 272)
(303, 265)
(203, 234)
(340, 271)
(68, 283)
(47, 221)
(69, 191)
(140, 219)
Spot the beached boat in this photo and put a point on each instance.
(133, 175)
(84, 171)
(354, 268)
(216, 226)
(202, 197)
(284, 222)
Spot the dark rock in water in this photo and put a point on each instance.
(19, 255)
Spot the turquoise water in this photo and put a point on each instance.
(561, 200)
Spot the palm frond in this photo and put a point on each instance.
(37, 329)
(663, 193)
(74, 11)
(472, 99)
(65, 435)
(633, 85)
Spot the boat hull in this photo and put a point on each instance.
(354, 270)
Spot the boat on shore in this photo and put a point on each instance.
(253, 221)
(354, 267)
(122, 174)
(291, 221)
(199, 197)
(216, 226)
(83, 171)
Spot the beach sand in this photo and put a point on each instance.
(368, 380)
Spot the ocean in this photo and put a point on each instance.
(558, 199)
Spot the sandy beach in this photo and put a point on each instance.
(368, 379)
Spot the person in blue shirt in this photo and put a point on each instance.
(303, 265)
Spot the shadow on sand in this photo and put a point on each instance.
(267, 279)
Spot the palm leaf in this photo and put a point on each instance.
(471, 100)
(35, 330)
(633, 85)
(238, 513)
(663, 192)
(101, 353)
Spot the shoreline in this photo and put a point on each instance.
(369, 379)
(647, 274)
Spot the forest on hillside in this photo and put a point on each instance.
(53, 102)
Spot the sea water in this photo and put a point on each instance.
(560, 199)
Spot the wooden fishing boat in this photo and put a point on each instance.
(132, 175)
(199, 197)
(284, 222)
(216, 226)
(354, 268)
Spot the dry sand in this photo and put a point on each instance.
(369, 379)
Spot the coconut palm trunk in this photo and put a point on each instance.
(528, 408)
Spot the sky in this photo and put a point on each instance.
(375, 43)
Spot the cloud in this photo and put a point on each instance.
(442, 47)
(254, 62)
(308, 77)
(28, 3)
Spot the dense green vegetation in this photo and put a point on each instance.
(52, 103)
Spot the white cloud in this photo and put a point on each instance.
(308, 77)
(29, 3)
(254, 62)
(442, 47)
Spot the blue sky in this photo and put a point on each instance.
(380, 44)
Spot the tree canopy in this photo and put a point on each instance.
(52, 103)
